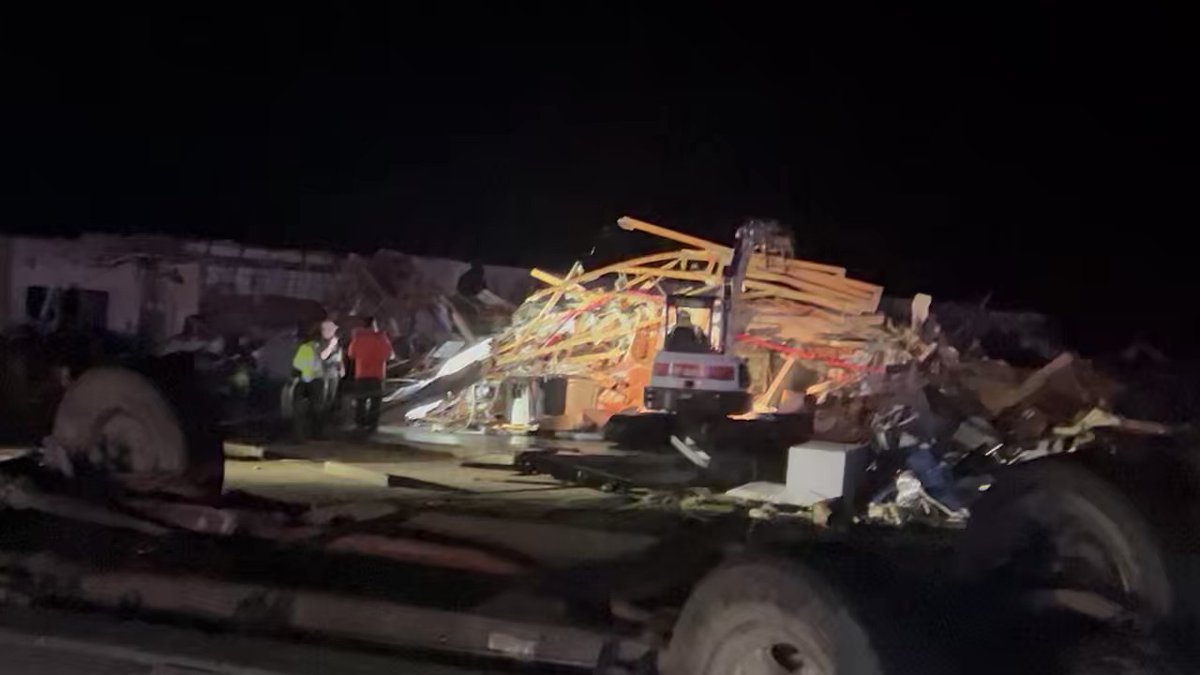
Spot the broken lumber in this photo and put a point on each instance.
(587, 323)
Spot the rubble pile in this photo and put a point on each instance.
(804, 328)
(939, 427)
(415, 298)
(937, 418)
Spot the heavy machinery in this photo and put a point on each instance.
(693, 372)
(697, 371)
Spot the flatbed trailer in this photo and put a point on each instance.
(724, 593)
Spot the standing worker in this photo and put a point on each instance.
(371, 350)
(472, 282)
(333, 366)
(309, 391)
(686, 336)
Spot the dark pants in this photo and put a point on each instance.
(308, 409)
(331, 384)
(368, 396)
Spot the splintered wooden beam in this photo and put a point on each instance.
(701, 290)
(592, 336)
(800, 296)
(601, 331)
(592, 358)
(650, 276)
(545, 277)
(633, 224)
(529, 332)
(725, 252)
(793, 282)
(767, 399)
(699, 277)
(560, 288)
(830, 281)
(796, 265)
(553, 281)
(826, 276)
(671, 259)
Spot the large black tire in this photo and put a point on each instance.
(116, 424)
(767, 616)
(646, 431)
(1055, 524)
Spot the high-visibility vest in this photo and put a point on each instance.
(307, 361)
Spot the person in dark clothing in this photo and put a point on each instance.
(472, 282)
(371, 349)
(686, 337)
(333, 368)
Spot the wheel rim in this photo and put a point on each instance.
(124, 442)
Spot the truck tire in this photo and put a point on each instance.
(116, 424)
(767, 616)
(1056, 524)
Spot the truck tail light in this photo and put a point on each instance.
(685, 369)
(721, 372)
(662, 369)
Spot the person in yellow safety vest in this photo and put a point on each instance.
(308, 402)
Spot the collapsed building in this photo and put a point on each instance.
(149, 285)
(67, 304)
(803, 328)
(924, 414)
(879, 417)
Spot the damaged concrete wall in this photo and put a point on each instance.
(182, 295)
(153, 283)
(66, 263)
(510, 283)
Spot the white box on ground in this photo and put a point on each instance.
(821, 470)
(817, 471)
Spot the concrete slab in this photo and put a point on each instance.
(488, 447)
(376, 474)
(461, 444)
(359, 473)
(298, 481)
(234, 450)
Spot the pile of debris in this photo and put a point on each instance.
(931, 418)
(935, 432)
(803, 328)
(423, 301)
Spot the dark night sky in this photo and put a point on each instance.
(1039, 156)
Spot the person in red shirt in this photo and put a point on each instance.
(371, 350)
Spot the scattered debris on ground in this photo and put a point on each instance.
(937, 416)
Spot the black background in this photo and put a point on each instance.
(1044, 156)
